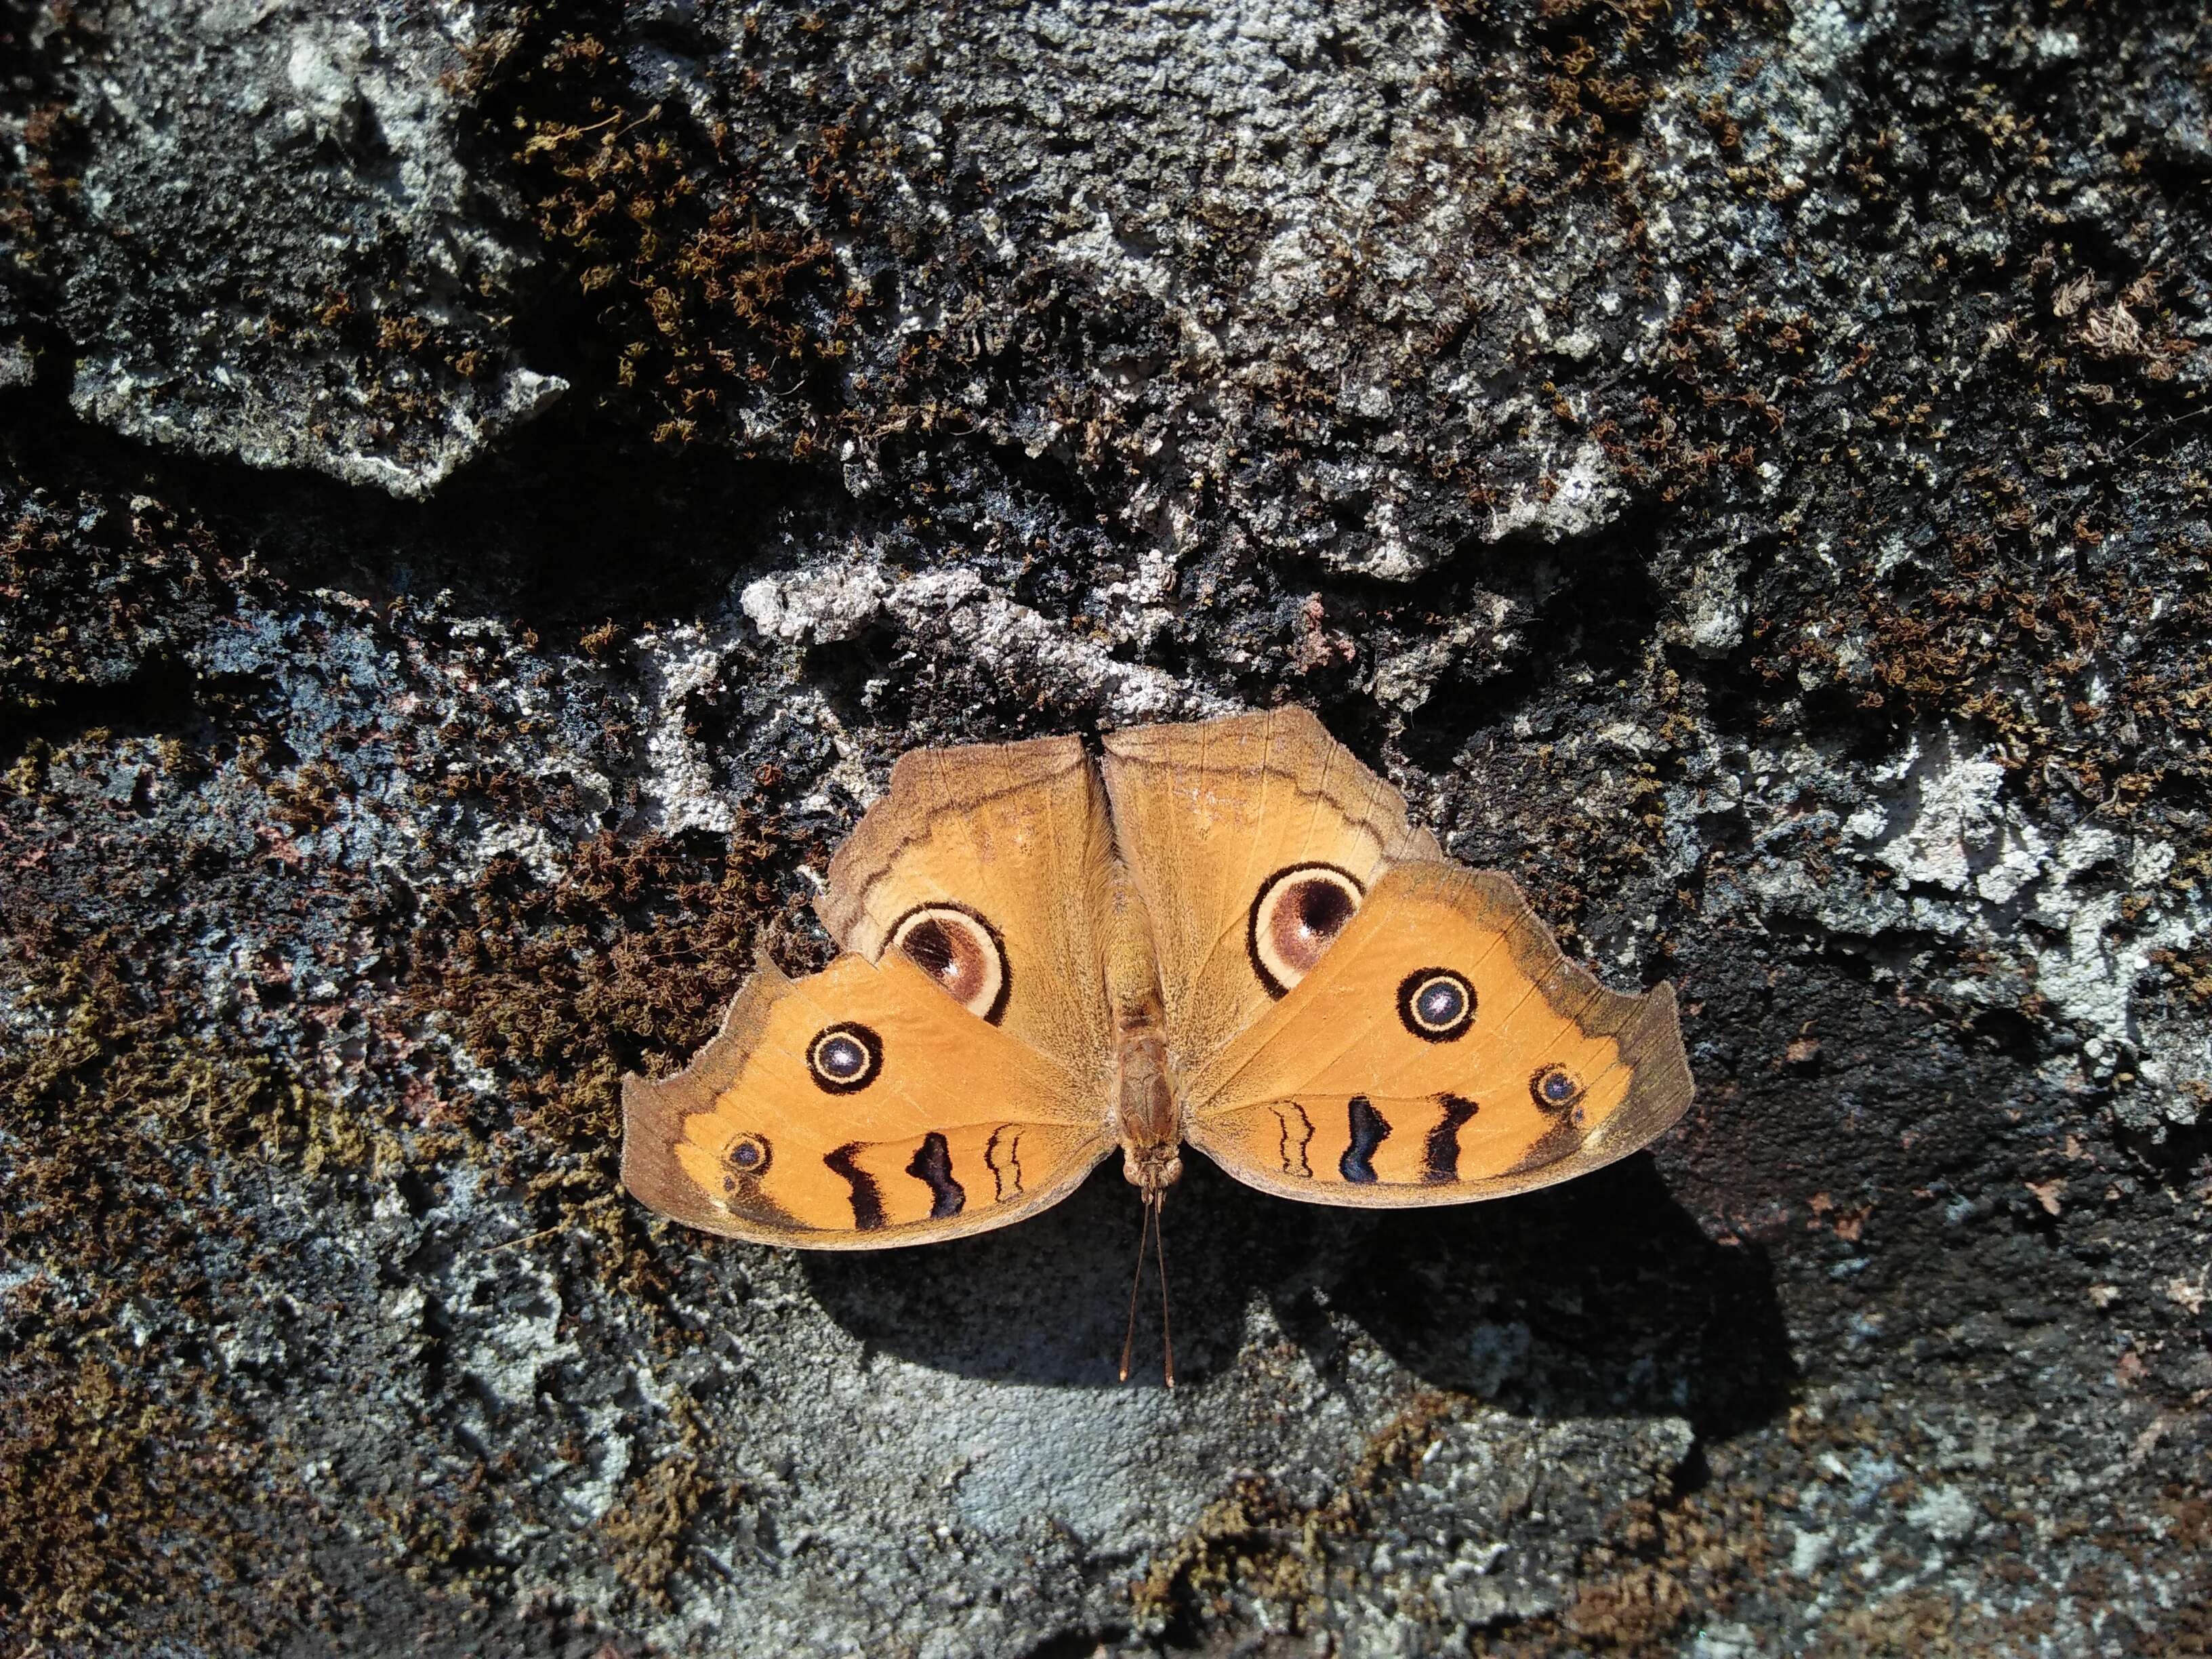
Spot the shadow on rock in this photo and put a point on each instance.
(1046, 1300)
(1598, 1296)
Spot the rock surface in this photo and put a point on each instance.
(259, 240)
(1743, 474)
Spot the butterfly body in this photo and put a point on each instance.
(1147, 1114)
(1226, 934)
(1147, 1120)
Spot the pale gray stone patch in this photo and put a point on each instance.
(246, 170)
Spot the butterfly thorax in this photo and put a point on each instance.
(1145, 1111)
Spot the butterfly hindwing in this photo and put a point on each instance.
(1442, 1049)
(858, 1108)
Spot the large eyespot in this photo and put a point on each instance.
(844, 1057)
(1555, 1088)
(1298, 912)
(748, 1158)
(961, 952)
(1435, 1004)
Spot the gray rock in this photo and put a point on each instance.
(264, 243)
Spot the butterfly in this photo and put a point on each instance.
(1224, 933)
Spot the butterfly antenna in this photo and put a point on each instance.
(1160, 1255)
(1136, 1282)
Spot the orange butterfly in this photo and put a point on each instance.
(1233, 937)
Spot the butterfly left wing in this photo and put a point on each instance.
(988, 865)
(1442, 1049)
(858, 1108)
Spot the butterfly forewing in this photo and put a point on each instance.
(983, 866)
(1253, 840)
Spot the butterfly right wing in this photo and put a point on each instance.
(1253, 839)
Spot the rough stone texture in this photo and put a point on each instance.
(252, 231)
(1743, 473)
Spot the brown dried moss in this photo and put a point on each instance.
(91, 1470)
(1669, 1563)
(127, 1487)
(709, 297)
(1664, 1562)
(2002, 638)
(130, 1484)
(649, 1531)
(1256, 1544)
(625, 962)
(112, 1109)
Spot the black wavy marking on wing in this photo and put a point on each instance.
(933, 1165)
(1369, 1131)
(1292, 1150)
(1013, 1138)
(1440, 1157)
(867, 1197)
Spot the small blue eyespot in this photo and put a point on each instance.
(845, 1057)
(1441, 1003)
(1435, 1004)
(1555, 1088)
